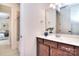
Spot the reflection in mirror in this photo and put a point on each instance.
(67, 21)
(75, 19)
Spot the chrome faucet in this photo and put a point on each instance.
(50, 29)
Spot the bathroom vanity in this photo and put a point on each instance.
(55, 45)
(65, 22)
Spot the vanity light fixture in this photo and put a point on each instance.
(52, 5)
(55, 6)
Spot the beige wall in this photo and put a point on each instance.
(4, 8)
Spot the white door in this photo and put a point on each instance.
(31, 21)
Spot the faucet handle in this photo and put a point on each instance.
(50, 28)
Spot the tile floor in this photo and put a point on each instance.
(5, 50)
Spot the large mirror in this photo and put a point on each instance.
(66, 20)
(69, 19)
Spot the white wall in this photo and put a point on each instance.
(51, 19)
(30, 27)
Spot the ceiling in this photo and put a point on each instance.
(60, 5)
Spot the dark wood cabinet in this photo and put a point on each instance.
(67, 48)
(51, 48)
(50, 43)
(43, 50)
(53, 52)
(39, 40)
(76, 51)
(59, 52)
(63, 53)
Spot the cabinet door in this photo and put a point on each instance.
(77, 51)
(43, 50)
(53, 52)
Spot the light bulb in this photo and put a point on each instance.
(52, 6)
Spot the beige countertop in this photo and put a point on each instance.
(63, 38)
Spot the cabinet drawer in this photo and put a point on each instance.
(64, 53)
(66, 47)
(58, 52)
(50, 43)
(40, 40)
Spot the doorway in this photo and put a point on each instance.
(9, 29)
